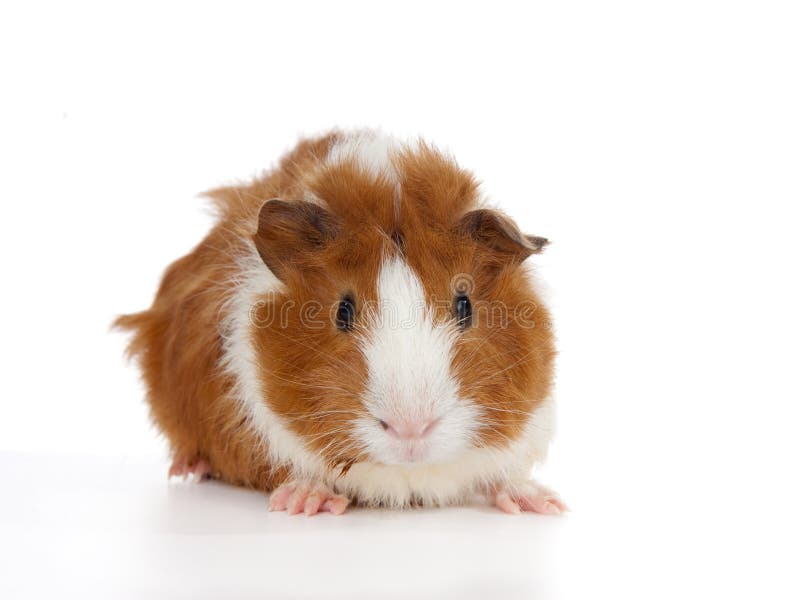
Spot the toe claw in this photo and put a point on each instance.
(313, 503)
(280, 497)
(297, 501)
(201, 470)
(336, 505)
(176, 469)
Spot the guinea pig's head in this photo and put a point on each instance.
(406, 330)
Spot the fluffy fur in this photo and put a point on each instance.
(240, 374)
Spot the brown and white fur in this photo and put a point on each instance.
(252, 381)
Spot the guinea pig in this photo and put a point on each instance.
(358, 327)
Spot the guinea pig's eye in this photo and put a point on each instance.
(463, 310)
(346, 314)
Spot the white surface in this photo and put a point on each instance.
(656, 144)
(114, 529)
(91, 528)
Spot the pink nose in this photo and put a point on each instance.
(409, 430)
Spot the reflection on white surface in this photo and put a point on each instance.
(94, 528)
(103, 528)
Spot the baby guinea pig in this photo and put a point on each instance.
(357, 327)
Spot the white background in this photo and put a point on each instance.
(656, 143)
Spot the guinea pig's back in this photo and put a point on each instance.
(180, 341)
(178, 346)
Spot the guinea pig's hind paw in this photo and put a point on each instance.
(199, 469)
(300, 497)
(531, 497)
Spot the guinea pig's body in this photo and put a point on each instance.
(356, 327)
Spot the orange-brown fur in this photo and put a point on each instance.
(177, 341)
(508, 370)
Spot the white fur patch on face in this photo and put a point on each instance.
(410, 386)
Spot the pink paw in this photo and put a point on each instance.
(299, 497)
(530, 497)
(199, 469)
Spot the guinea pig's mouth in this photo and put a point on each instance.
(412, 453)
(396, 441)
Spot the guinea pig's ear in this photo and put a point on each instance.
(501, 234)
(288, 229)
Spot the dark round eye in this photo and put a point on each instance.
(463, 310)
(346, 314)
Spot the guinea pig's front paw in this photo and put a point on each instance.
(297, 497)
(528, 496)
